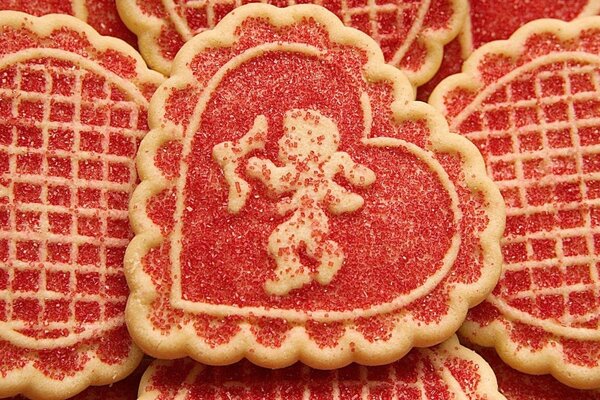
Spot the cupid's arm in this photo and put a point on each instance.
(356, 174)
(276, 179)
(229, 154)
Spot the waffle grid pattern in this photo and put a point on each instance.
(64, 225)
(303, 383)
(540, 136)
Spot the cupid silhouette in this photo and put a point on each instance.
(310, 160)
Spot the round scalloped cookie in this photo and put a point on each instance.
(102, 15)
(515, 385)
(489, 20)
(530, 104)
(321, 216)
(410, 32)
(73, 107)
(447, 371)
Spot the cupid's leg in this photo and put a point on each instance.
(328, 253)
(284, 246)
(308, 227)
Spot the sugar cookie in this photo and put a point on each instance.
(447, 371)
(102, 15)
(72, 111)
(515, 385)
(489, 20)
(296, 204)
(530, 104)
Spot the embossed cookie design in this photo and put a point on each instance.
(411, 33)
(296, 204)
(447, 371)
(531, 106)
(73, 108)
(308, 152)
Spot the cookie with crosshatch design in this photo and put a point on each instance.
(102, 15)
(126, 389)
(73, 107)
(516, 385)
(296, 204)
(411, 33)
(447, 371)
(531, 106)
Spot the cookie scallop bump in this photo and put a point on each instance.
(529, 104)
(267, 216)
(411, 33)
(72, 110)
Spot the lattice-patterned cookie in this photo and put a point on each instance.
(516, 385)
(447, 371)
(127, 389)
(531, 106)
(489, 20)
(73, 107)
(102, 15)
(411, 33)
(297, 204)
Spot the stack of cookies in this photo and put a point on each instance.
(208, 199)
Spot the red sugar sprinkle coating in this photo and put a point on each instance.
(373, 231)
(371, 222)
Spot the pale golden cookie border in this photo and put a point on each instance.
(29, 381)
(434, 42)
(549, 360)
(184, 341)
(148, 28)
